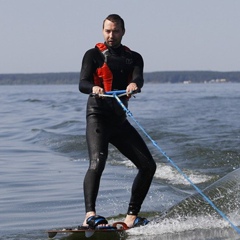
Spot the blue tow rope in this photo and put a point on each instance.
(116, 95)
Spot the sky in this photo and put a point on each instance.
(42, 36)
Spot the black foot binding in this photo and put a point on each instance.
(139, 221)
(95, 221)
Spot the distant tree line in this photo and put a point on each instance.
(154, 77)
(192, 77)
(39, 78)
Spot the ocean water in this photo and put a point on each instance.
(43, 158)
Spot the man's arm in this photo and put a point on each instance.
(137, 75)
(88, 68)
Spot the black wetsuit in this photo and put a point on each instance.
(107, 123)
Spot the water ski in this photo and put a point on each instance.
(116, 228)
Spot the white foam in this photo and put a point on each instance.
(179, 225)
(170, 174)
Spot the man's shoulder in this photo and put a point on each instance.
(92, 50)
(136, 55)
(127, 49)
(92, 53)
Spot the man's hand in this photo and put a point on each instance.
(131, 88)
(97, 90)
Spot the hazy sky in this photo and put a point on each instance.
(39, 36)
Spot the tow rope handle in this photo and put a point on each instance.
(119, 93)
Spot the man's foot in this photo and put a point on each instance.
(129, 220)
(88, 215)
(135, 221)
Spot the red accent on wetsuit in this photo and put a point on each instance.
(103, 76)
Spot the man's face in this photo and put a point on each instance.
(112, 33)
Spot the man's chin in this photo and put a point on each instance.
(110, 44)
(113, 45)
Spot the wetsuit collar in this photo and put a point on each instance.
(117, 50)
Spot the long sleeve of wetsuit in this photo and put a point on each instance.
(90, 63)
(137, 75)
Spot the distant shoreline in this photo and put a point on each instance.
(185, 77)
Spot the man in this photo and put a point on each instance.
(112, 66)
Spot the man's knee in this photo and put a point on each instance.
(149, 168)
(98, 163)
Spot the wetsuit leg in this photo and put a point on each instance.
(97, 140)
(130, 144)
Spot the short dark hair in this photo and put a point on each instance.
(116, 19)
